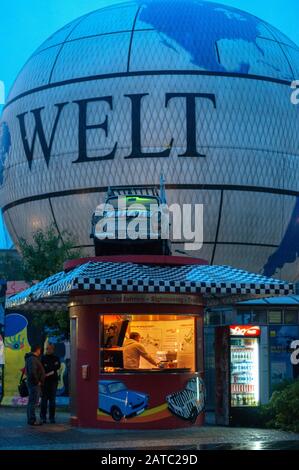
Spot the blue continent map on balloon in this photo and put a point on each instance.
(5, 144)
(217, 26)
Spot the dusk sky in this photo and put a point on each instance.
(26, 24)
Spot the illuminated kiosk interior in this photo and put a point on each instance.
(137, 334)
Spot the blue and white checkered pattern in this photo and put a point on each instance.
(131, 277)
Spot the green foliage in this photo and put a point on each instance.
(55, 321)
(280, 386)
(46, 255)
(41, 259)
(11, 267)
(282, 412)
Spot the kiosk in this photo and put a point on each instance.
(138, 394)
(137, 334)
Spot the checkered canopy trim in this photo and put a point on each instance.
(132, 277)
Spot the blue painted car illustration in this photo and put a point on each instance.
(118, 401)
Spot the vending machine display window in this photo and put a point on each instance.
(147, 342)
(244, 372)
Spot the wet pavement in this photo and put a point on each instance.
(16, 435)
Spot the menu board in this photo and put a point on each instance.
(167, 336)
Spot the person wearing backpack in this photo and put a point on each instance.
(35, 374)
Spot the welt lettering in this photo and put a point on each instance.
(135, 101)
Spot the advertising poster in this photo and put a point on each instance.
(281, 368)
(20, 334)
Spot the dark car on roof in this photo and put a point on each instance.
(140, 208)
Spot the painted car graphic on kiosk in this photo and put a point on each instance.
(188, 403)
(118, 401)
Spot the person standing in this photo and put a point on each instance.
(51, 365)
(35, 378)
(133, 351)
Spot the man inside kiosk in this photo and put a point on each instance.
(133, 350)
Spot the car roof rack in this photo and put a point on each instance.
(144, 190)
(133, 190)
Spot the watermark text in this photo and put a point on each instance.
(175, 222)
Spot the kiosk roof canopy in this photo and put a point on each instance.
(208, 281)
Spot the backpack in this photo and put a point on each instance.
(23, 388)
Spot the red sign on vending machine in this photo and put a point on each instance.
(245, 330)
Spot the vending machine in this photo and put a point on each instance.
(237, 362)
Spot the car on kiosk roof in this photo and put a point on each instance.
(118, 401)
(132, 220)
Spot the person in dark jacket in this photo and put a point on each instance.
(35, 378)
(51, 365)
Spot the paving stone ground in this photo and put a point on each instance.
(16, 435)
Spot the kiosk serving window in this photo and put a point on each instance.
(147, 342)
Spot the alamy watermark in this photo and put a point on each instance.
(295, 93)
(137, 221)
(295, 353)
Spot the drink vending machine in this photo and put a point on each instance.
(237, 364)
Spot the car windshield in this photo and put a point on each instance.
(117, 387)
(144, 202)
